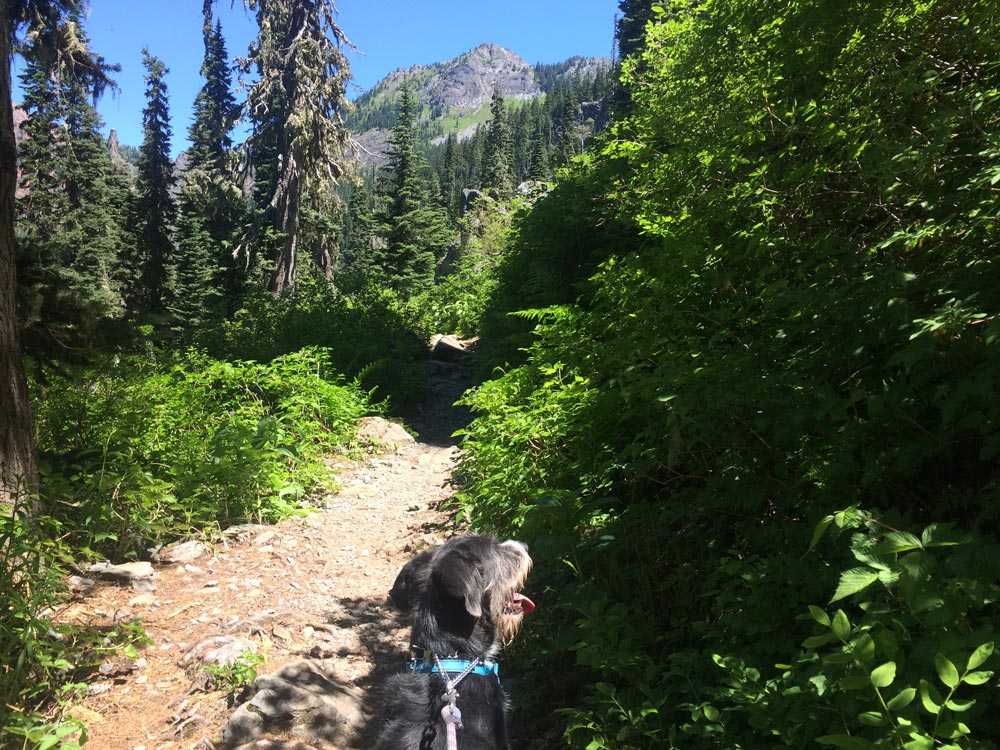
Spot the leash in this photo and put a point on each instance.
(450, 713)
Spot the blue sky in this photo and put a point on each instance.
(389, 34)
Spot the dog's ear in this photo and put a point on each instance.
(459, 578)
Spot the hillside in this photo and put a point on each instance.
(454, 95)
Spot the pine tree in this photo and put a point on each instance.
(358, 260)
(214, 106)
(416, 228)
(154, 210)
(539, 154)
(498, 155)
(295, 107)
(449, 178)
(69, 224)
(209, 205)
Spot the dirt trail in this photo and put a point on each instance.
(308, 593)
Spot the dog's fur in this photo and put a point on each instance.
(460, 593)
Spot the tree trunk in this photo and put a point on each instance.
(284, 270)
(18, 470)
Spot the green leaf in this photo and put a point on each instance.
(845, 741)
(929, 698)
(946, 671)
(900, 541)
(711, 712)
(903, 699)
(818, 640)
(977, 678)
(979, 656)
(820, 529)
(841, 625)
(820, 616)
(854, 580)
(872, 719)
(919, 742)
(959, 706)
(863, 647)
(883, 676)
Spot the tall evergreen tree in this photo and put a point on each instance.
(49, 23)
(209, 203)
(416, 228)
(498, 156)
(539, 154)
(70, 227)
(214, 106)
(295, 110)
(357, 258)
(450, 186)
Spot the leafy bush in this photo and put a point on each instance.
(139, 451)
(785, 300)
(44, 664)
(366, 335)
(233, 678)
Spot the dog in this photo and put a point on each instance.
(467, 605)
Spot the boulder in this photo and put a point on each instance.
(382, 432)
(183, 552)
(217, 650)
(138, 574)
(448, 348)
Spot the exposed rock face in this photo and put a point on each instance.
(460, 88)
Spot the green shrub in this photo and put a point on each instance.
(366, 335)
(43, 665)
(779, 297)
(139, 451)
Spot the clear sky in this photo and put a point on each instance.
(389, 34)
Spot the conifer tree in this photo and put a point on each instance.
(498, 155)
(154, 210)
(53, 25)
(539, 155)
(416, 228)
(70, 226)
(358, 261)
(449, 178)
(209, 203)
(295, 110)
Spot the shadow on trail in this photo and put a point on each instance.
(436, 417)
(383, 634)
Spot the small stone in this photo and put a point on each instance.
(142, 600)
(308, 631)
(98, 688)
(141, 679)
(79, 584)
(183, 552)
(282, 633)
(264, 537)
(220, 650)
(414, 508)
(193, 570)
(124, 573)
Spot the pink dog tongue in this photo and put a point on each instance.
(527, 606)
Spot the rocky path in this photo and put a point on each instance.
(308, 595)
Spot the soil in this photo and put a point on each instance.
(312, 587)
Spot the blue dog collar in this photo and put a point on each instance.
(454, 666)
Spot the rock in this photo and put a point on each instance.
(264, 537)
(530, 188)
(218, 650)
(117, 667)
(448, 348)
(243, 532)
(79, 584)
(98, 688)
(469, 198)
(87, 715)
(142, 600)
(243, 727)
(124, 573)
(183, 552)
(382, 432)
(282, 633)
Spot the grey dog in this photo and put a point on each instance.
(466, 602)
